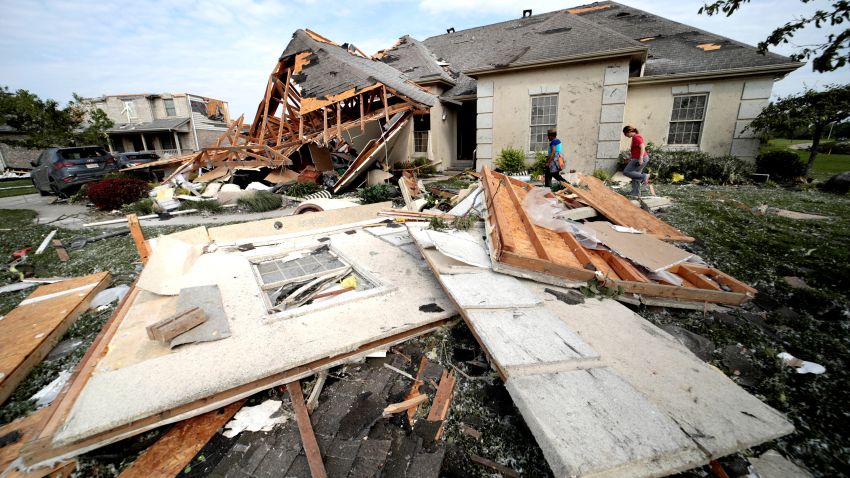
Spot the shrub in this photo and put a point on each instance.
(109, 194)
(376, 193)
(782, 165)
(299, 190)
(602, 174)
(697, 165)
(142, 207)
(260, 201)
(420, 166)
(539, 166)
(511, 160)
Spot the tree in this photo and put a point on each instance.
(43, 124)
(816, 109)
(830, 55)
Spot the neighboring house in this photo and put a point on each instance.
(169, 124)
(586, 71)
(15, 157)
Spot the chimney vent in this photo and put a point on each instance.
(526, 13)
(450, 30)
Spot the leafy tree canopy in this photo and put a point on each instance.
(43, 124)
(829, 55)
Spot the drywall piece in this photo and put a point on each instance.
(717, 414)
(208, 299)
(488, 290)
(260, 418)
(286, 225)
(170, 260)
(594, 423)
(531, 340)
(460, 246)
(398, 239)
(133, 386)
(642, 249)
(30, 330)
(377, 176)
(773, 465)
(447, 265)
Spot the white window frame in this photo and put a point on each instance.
(427, 142)
(532, 125)
(130, 109)
(701, 121)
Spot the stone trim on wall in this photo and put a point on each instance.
(614, 91)
(484, 123)
(754, 97)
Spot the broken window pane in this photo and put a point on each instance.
(686, 119)
(169, 107)
(544, 115)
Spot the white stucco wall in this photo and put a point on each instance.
(580, 109)
(649, 108)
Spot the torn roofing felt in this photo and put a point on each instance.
(530, 40)
(673, 46)
(332, 69)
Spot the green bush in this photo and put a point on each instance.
(299, 190)
(260, 201)
(511, 160)
(142, 207)
(697, 165)
(420, 166)
(539, 166)
(109, 194)
(782, 165)
(602, 174)
(376, 193)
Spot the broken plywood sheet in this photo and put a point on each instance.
(462, 247)
(282, 175)
(594, 423)
(642, 249)
(170, 260)
(302, 223)
(716, 413)
(34, 327)
(619, 210)
(208, 298)
(131, 392)
(531, 340)
(488, 290)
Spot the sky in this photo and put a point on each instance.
(226, 49)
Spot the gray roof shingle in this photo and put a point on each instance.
(416, 61)
(529, 40)
(333, 69)
(674, 47)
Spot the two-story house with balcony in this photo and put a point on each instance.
(168, 123)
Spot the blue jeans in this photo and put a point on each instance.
(635, 171)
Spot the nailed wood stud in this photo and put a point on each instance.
(308, 438)
(60, 250)
(167, 329)
(139, 238)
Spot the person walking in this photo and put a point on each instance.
(637, 161)
(555, 163)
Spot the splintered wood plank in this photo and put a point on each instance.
(410, 403)
(173, 451)
(139, 238)
(622, 267)
(719, 277)
(34, 327)
(684, 293)
(619, 210)
(308, 439)
(442, 401)
(593, 423)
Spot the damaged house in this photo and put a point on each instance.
(586, 71)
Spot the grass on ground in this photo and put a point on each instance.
(5, 193)
(811, 324)
(826, 165)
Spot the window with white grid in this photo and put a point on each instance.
(420, 141)
(687, 118)
(544, 115)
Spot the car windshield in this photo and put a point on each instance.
(82, 153)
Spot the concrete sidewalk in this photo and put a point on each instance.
(73, 216)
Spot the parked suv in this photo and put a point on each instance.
(62, 170)
(126, 160)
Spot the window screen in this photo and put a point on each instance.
(687, 118)
(544, 115)
(169, 107)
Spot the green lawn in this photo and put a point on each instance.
(826, 165)
(5, 193)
